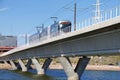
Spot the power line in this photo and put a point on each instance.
(58, 11)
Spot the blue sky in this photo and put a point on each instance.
(18, 17)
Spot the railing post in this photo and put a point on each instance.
(116, 11)
(105, 16)
(110, 14)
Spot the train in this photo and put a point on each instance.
(57, 28)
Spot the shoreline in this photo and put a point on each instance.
(103, 67)
(93, 67)
(89, 67)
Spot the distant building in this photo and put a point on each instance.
(7, 43)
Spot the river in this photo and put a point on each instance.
(58, 75)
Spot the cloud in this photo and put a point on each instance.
(3, 9)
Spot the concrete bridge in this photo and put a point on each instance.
(98, 39)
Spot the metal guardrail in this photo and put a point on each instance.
(104, 16)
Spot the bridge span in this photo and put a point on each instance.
(98, 39)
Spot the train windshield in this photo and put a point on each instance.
(64, 24)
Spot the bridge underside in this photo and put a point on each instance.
(98, 42)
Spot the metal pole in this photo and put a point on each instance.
(26, 38)
(55, 19)
(74, 15)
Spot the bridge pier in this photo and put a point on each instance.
(5, 62)
(69, 70)
(74, 74)
(46, 64)
(81, 65)
(28, 65)
(38, 66)
(12, 63)
(41, 69)
(22, 65)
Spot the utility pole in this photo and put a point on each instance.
(54, 19)
(25, 37)
(75, 15)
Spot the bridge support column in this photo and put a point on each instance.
(24, 68)
(74, 74)
(14, 67)
(69, 70)
(5, 62)
(28, 65)
(81, 65)
(38, 66)
(46, 64)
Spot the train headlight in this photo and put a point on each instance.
(61, 25)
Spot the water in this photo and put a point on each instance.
(58, 75)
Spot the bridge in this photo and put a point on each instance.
(92, 38)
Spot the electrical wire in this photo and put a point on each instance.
(58, 11)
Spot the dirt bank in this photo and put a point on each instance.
(89, 67)
(5, 66)
(92, 67)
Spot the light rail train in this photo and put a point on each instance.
(53, 30)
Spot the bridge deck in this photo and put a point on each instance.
(87, 41)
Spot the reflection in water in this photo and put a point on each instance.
(101, 75)
(57, 75)
(33, 76)
(7, 75)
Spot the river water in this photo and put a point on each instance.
(58, 75)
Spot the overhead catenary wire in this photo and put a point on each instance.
(57, 12)
(64, 9)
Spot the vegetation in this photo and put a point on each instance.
(96, 60)
(105, 60)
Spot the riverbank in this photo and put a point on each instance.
(89, 67)
(5, 66)
(92, 67)
(103, 67)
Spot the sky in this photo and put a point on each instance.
(19, 17)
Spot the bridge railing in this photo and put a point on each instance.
(105, 15)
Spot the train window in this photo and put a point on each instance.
(64, 24)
